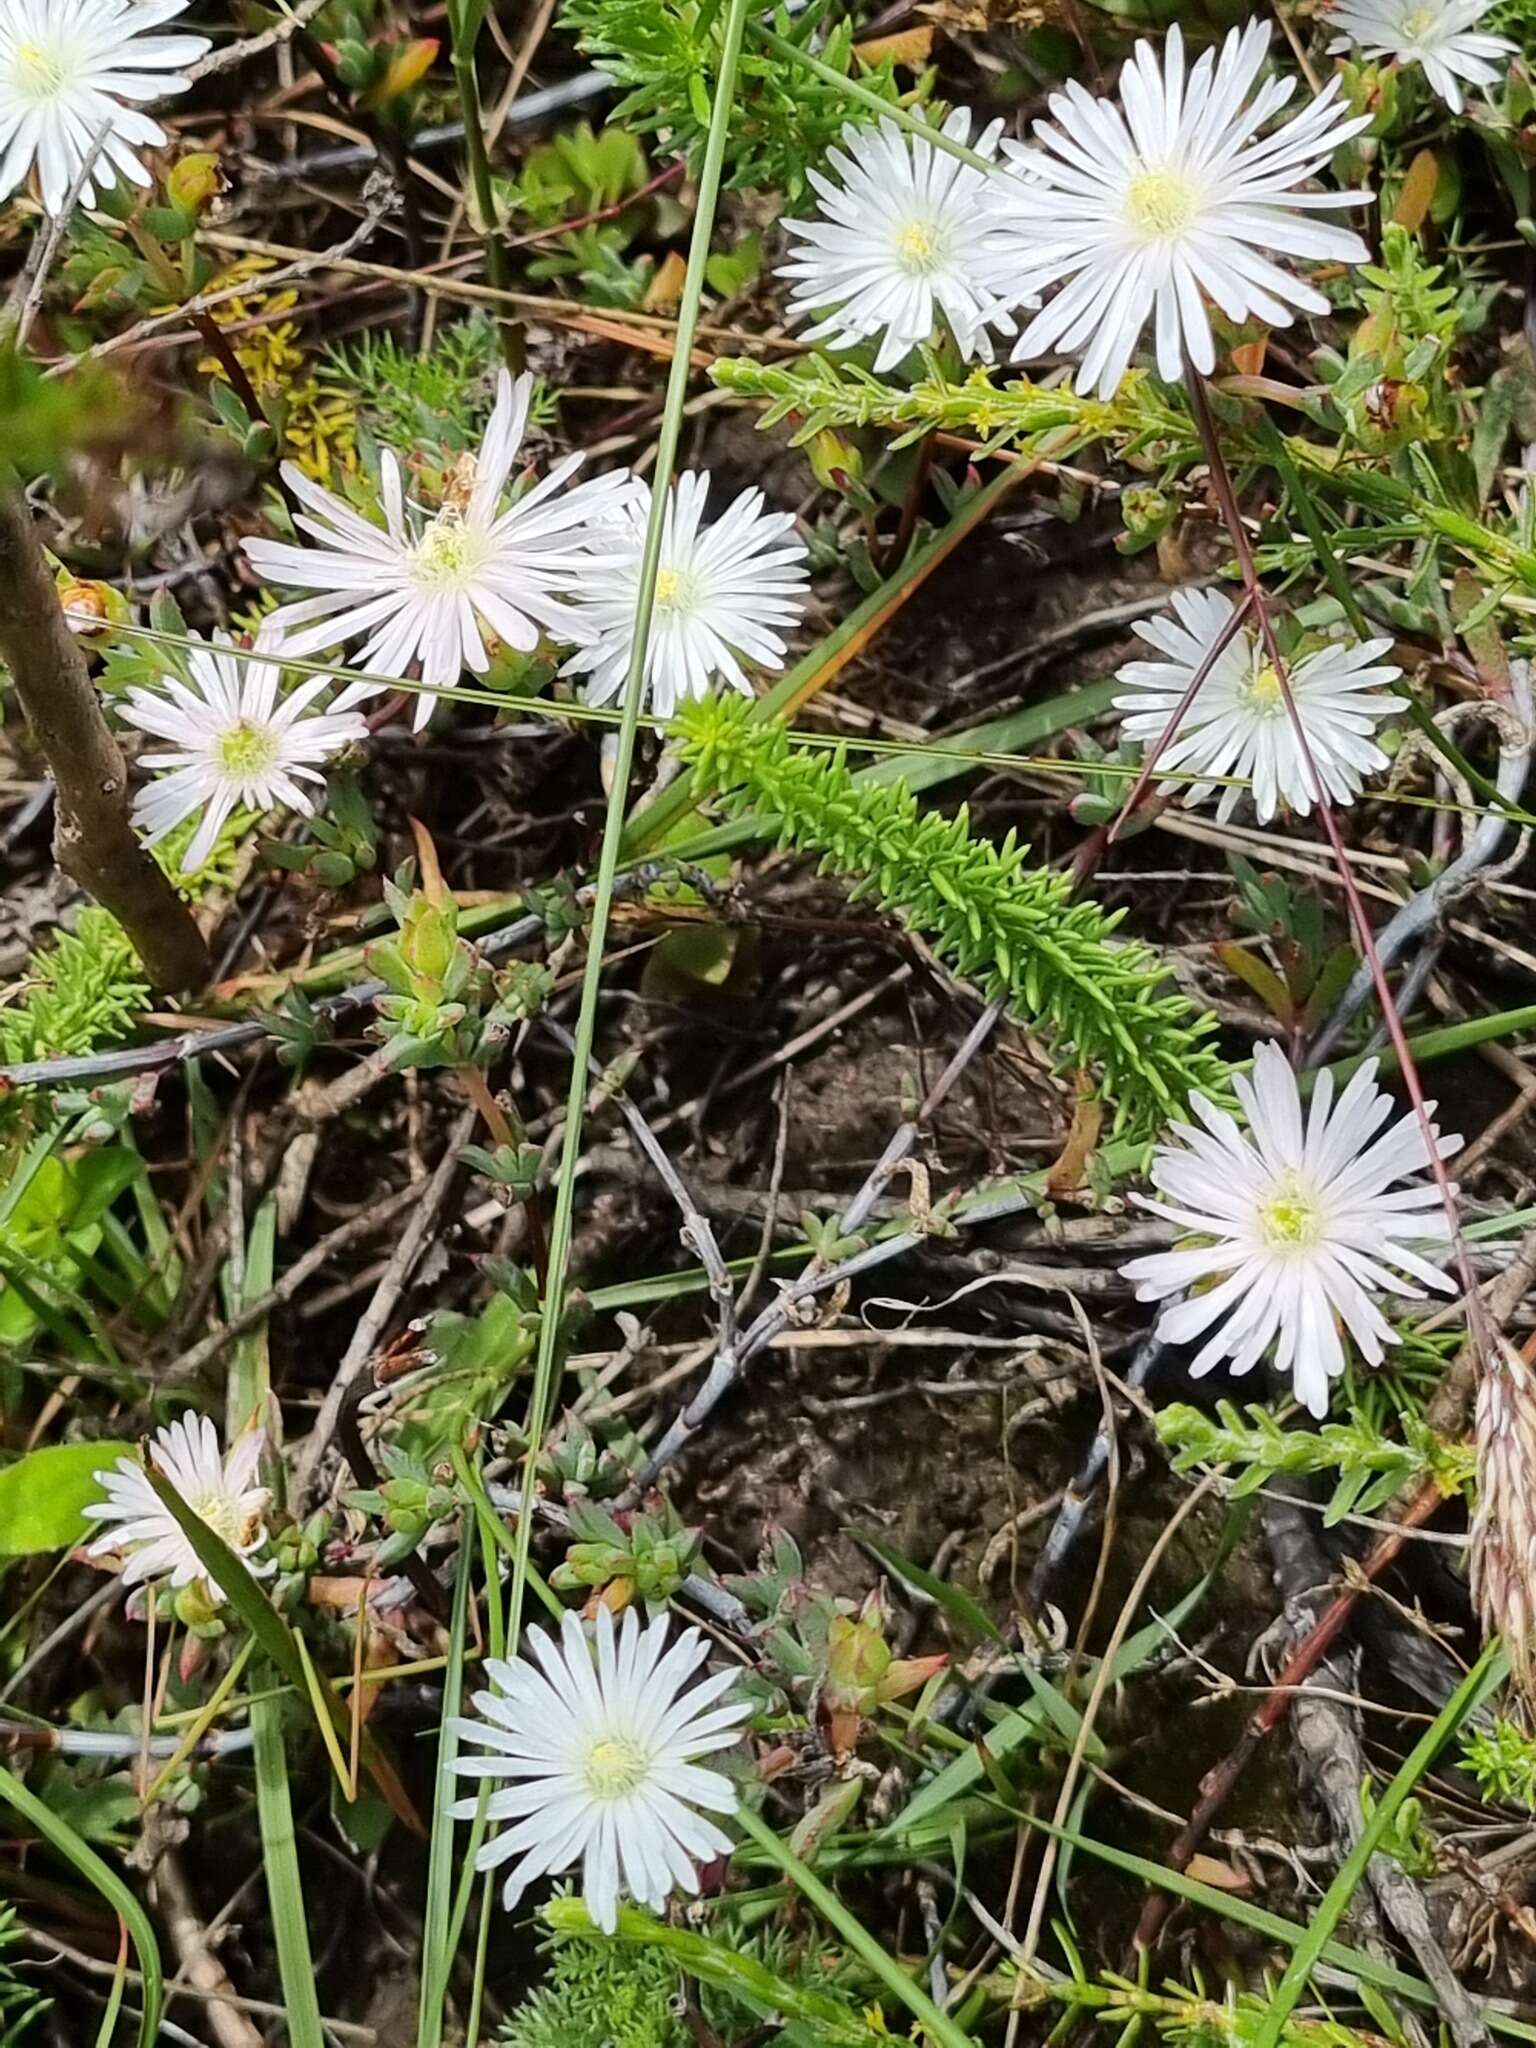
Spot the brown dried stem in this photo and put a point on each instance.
(94, 843)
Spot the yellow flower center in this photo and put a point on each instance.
(919, 248)
(1291, 1218)
(41, 74)
(246, 752)
(1162, 204)
(1262, 694)
(1418, 24)
(223, 1517)
(614, 1768)
(449, 554)
(676, 590)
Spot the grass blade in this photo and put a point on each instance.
(233, 1579)
(561, 1230)
(940, 2028)
(285, 1890)
(105, 1880)
(437, 1939)
(1309, 1950)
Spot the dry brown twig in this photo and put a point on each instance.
(94, 841)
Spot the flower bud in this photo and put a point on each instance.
(194, 181)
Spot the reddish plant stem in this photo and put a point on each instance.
(669, 176)
(1094, 848)
(1477, 1327)
(1304, 1659)
(922, 469)
(1216, 1786)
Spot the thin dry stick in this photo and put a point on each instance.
(697, 1233)
(1103, 1679)
(365, 1224)
(202, 1968)
(726, 1370)
(365, 1337)
(93, 841)
(254, 46)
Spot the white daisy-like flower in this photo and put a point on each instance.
(1440, 35)
(66, 69)
(605, 1752)
(220, 1491)
(428, 586)
(1306, 1223)
(1145, 210)
(724, 594)
(899, 242)
(1239, 725)
(233, 741)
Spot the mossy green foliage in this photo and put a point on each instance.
(1011, 928)
(665, 55)
(602, 1994)
(83, 990)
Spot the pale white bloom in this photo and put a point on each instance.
(899, 242)
(1239, 725)
(220, 1491)
(1306, 1221)
(233, 741)
(724, 594)
(1145, 210)
(428, 586)
(1441, 35)
(66, 68)
(606, 1754)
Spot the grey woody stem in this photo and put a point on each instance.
(94, 843)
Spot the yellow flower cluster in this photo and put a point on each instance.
(319, 427)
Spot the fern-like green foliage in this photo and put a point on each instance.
(820, 393)
(22, 2005)
(666, 56)
(83, 988)
(1012, 928)
(82, 991)
(601, 1994)
(1371, 1466)
(1503, 1761)
(440, 399)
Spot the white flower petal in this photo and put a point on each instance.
(1307, 1222)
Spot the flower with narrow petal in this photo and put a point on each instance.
(233, 741)
(66, 69)
(1145, 210)
(429, 586)
(220, 1491)
(604, 1753)
(1239, 723)
(1305, 1224)
(1441, 36)
(900, 241)
(724, 593)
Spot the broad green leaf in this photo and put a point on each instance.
(44, 1494)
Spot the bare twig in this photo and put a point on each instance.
(428, 1202)
(365, 1224)
(201, 1967)
(1329, 1742)
(725, 1371)
(295, 17)
(94, 842)
(697, 1233)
